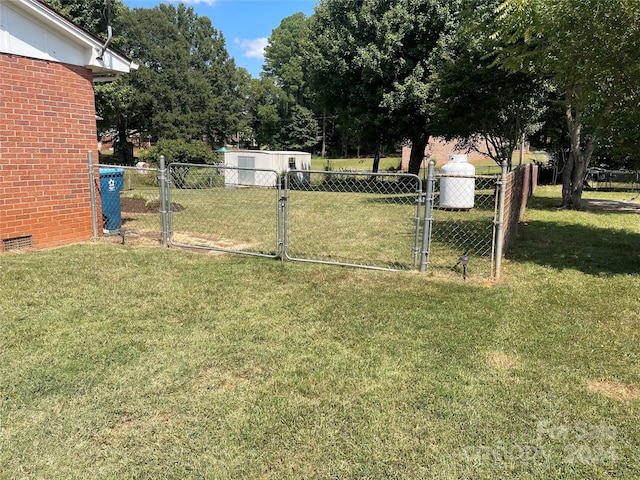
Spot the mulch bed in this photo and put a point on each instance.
(139, 205)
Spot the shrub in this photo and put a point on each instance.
(195, 151)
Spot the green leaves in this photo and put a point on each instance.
(292, 125)
(484, 106)
(373, 63)
(186, 85)
(590, 49)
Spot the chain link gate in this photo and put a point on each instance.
(223, 208)
(463, 223)
(358, 219)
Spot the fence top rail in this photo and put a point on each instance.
(454, 175)
(363, 173)
(127, 167)
(221, 166)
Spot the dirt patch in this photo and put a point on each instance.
(140, 205)
(501, 361)
(614, 389)
(614, 206)
(209, 241)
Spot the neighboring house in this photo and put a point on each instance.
(439, 150)
(48, 124)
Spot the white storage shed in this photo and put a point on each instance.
(247, 167)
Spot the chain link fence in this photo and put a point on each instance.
(471, 219)
(223, 208)
(353, 218)
(129, 200)
(452, 224)
(612, 180)
(464, 219)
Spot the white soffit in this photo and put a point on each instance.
(30, 29)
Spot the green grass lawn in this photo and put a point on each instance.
(363, 164)
(142, 362)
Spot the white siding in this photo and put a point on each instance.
(276, 161)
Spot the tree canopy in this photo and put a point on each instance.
(188, 81)
(484, 107)
(92, 15)
(385, 71)
(372, 65)
(591, 50)
(284, 57)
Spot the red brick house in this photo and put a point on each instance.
(48, 124)
(439, 150)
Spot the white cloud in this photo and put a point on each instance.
(195, 2)
(253, 48)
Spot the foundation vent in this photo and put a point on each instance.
(17, 243)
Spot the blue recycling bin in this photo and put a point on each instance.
(111, 184)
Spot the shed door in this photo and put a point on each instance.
(246, 177)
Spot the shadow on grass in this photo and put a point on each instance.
(591, 205)
(591, 250)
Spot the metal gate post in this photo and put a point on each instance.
(283, 218)
(163, 201)
(499, 239)
(428, 218)
(416, 241)
(282, 195)
(92, 189)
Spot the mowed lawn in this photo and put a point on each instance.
(142, 362)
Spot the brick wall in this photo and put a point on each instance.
(47, 126)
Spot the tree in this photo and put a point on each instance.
(486, 108)
(285, 66)
(372, 63)
(300, 131)
(189, 85)
(264, 105)
(92, 15)
(284, 56)
(619, 148)
(590, 49)
(123, 109)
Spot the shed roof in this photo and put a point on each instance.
(268, 152)
(29, 28)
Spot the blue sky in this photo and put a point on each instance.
(245, 24)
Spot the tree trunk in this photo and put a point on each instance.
(574, 174)
(324, 133)
(122, 149)
(376, 160)
(418, 145)
(567, 180)
(577, 162)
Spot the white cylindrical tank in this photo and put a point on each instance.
(457, 183)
